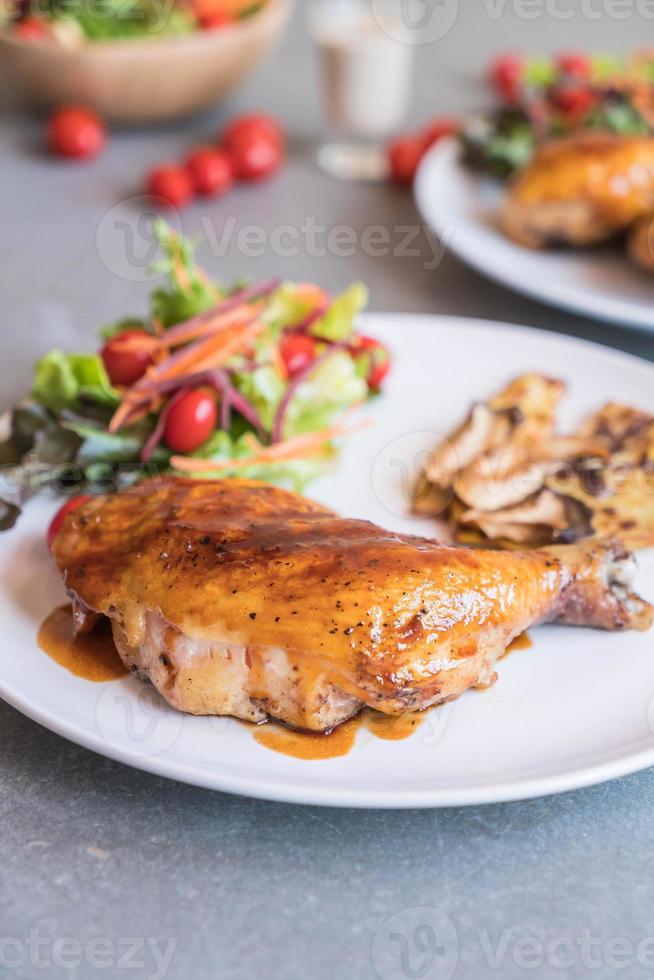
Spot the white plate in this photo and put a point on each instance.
(461, 206)
(575, 709)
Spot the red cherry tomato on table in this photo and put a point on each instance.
(31, 29)
(506, 75)
(76, 132)
(124, 365)
(404, 156)
(190, 421)
(255, 122)
(210, 170)
(438, 129)
(172, 183)
(379, 360)
(297, 351)
(254, 154)
(56, 522)
(575, 65)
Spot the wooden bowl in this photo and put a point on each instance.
(137, 81)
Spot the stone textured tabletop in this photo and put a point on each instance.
(111, 872)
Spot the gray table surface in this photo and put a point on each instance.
(235, 888)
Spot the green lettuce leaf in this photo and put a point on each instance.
(60, 380)
(338, 321)
(333, 386)
(264, 388)
(287, 306)
(291, 474)
(184, 295)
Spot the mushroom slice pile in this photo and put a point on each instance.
(507, 477)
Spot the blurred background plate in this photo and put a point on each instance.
(461, 205)
(137, 81)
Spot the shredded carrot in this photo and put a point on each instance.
(299, 447)
(194, 330)
(211, 352)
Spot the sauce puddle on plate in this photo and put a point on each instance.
(522, 642)
(91, 655)
(305, 745)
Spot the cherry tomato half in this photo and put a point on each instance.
(31, 29)
(125, 366)
(404, 155)
(76, 132)
(210, 170)
(56, 522)
(190, 421)
(379, 360)
(171, 183)
(297, 351)
(254, 122)
(506, 74)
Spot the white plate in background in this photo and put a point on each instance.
(461, 207)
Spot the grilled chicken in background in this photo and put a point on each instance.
(581, 190)
(237, 598)
(640, 243)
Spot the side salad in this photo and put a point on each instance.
(71, 23)
(538, 98)
(256, 380)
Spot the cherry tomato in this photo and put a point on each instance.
(574, 101)
(506, 76)
(255, 122)
(76, 132)
(172, 183)
(125, 366)
(215, 21)
(31, 29)
(404, 155)
(210, 170)
(190, 421)
(437, 129)
(575, 65)
(254, 154)
(297, 351)
(379, 360)
(56, 522)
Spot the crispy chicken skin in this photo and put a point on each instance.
(234, 597)
(580, 190)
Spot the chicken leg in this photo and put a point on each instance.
(237, 598)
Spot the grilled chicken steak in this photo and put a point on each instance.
(237, 598)
(580, 190)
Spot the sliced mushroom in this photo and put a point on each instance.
(515, 471)
(482, 429)
(544, 517)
